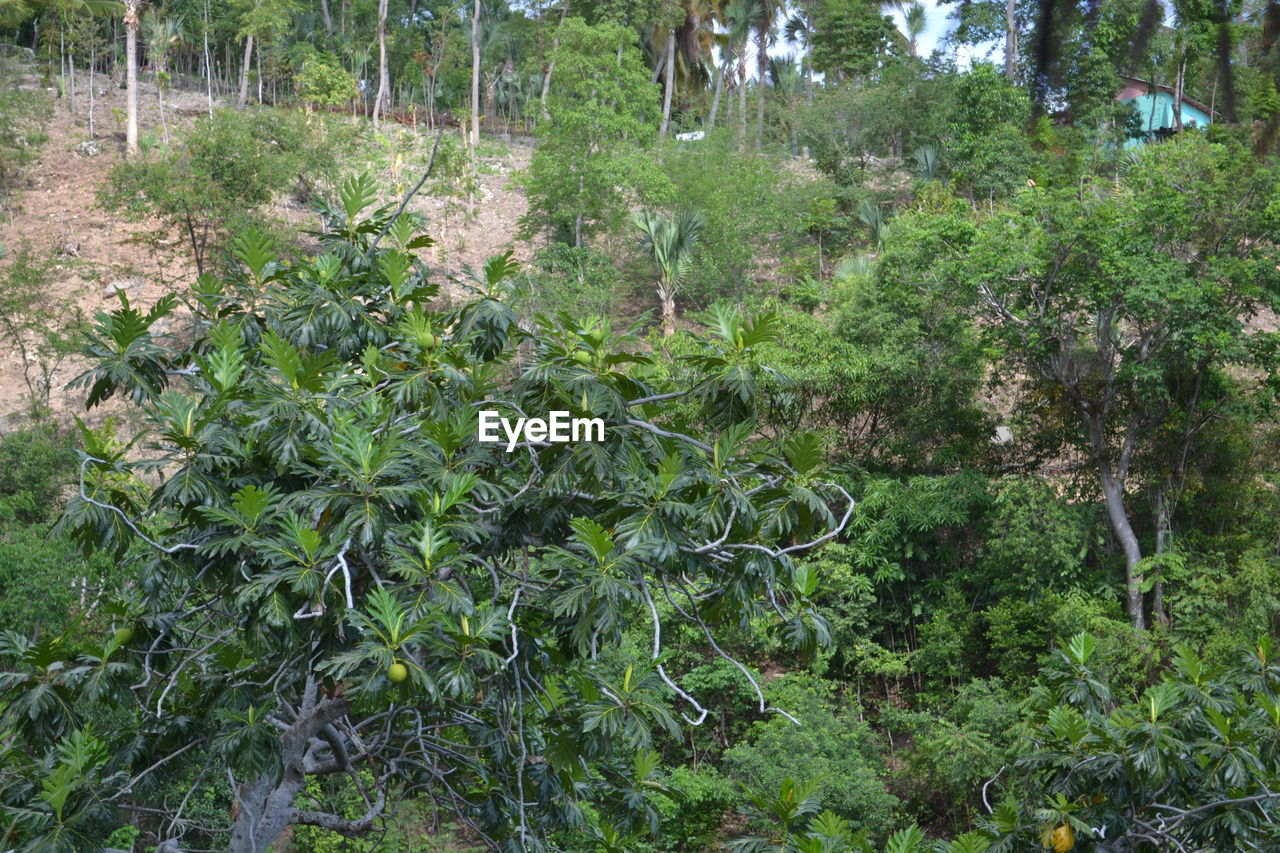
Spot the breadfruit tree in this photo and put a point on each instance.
(337, 579)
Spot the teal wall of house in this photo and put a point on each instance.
(1162, 117)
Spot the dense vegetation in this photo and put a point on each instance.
(936, 505)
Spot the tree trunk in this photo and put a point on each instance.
(577, 220)
(669, 83)
(93, 62)
(762, 74)
(1164, 545)
(266, 807)
(324, 16)
(208, 60)
(244, 73)
(1177, 95)
(382, 63)
(715, 99)
(551, 65)
(131, 76)
(1010, 38)
(667, 298)
(71, 79)
(742, 99)
(1113, 494)
(475, 99)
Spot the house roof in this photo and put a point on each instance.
(1146, 84)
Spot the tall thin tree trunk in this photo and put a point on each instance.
(382, 63)
(244, 73)
(670, 82)
(131, 76)
(261, 77)
(715, 99)
(71, 79)
(551, 65)
(208, 62)
(1177, 95)
(93, 61)
(762, 71)
(324, 16)
(475, 100)
(1010, 38)
(1164, 545)
(577, 220)
(742, 99)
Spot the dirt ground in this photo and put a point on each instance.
(54, 212)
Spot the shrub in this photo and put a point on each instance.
(839, 753)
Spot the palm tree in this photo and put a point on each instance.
(768, 11)
(789, 84)
(162, 35)
(718, 72)
(670, 243)
(916, 21)
(740, 17)
(926, 157)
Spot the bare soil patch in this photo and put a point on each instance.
(54, 211)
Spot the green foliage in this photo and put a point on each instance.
(578, 281)
(322, 463)
(64, 808)
(988, 149)
(1121, 761)
(692, 817)
(589, 166)
(897, 112)
(47, 584)
(35, 465)
(324, 82)
(1038, 542)
(669, 241)
(833, 754)
(225, 169)
(848, 37)
(739, 241)
(891, 373)
(22, 118)
(43, 332)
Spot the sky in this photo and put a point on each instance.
(935, 32)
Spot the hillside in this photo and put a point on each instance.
(54, 210)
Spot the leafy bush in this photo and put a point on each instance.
(45, 582)
(692, 818)
(22, 117)
(43, 331)
(1038, 540)
(740, 242)
(837, 753)
(36, 464)
(225, 169)
(324, 82)
(581, 281)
